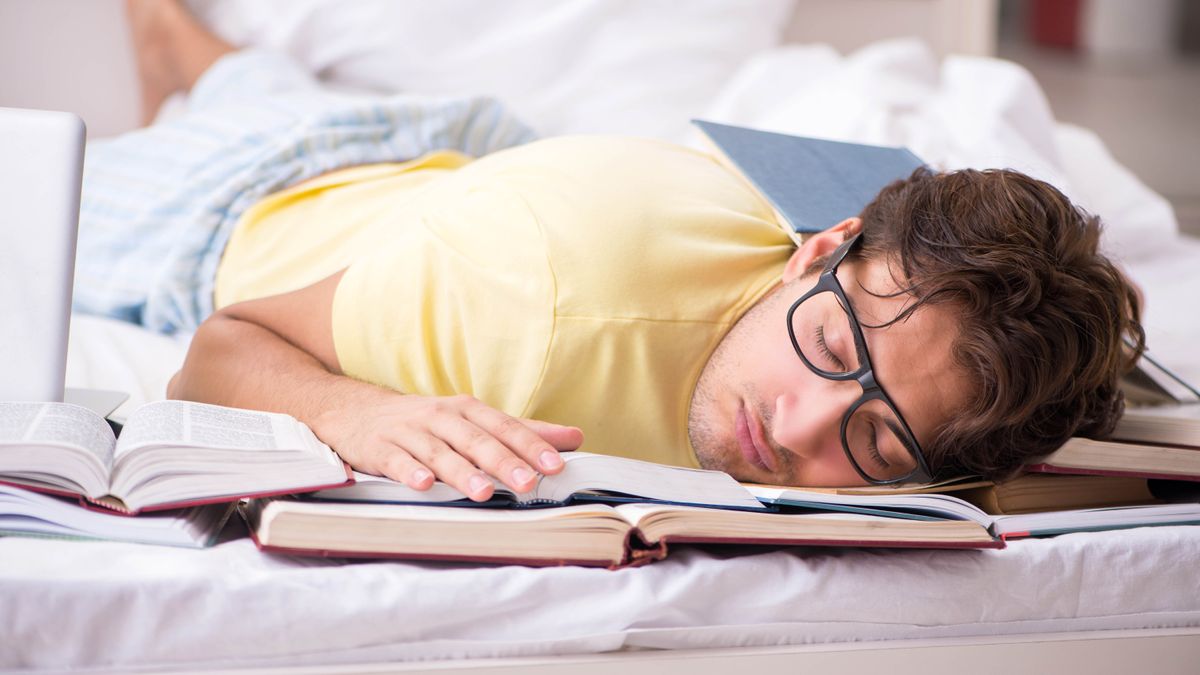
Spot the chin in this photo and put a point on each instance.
(715, 456)
(728, 459)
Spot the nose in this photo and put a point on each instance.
(808, 422)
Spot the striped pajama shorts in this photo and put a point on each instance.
(160, 203)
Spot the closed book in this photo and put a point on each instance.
(1031, 493)
(1085, 456)
(1177, 425)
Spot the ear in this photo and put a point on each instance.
(818, 246)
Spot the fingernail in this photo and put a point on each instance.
(421, 475)
(478, 484)
(550, 460)
(521, 475)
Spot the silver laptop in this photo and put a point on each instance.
(41, 171)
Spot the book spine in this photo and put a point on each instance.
(639, 553)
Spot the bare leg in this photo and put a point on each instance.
(172, 49)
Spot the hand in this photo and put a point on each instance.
(457, 439)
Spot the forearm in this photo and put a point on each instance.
(241, 364)
(241, 357)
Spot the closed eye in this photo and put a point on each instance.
(824, 347)
(873, 450)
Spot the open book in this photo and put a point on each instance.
(942, 506)
(1151, 383)
(586, 477)
(171, 454)
(613, 511)
(583, 534)
(600, 510)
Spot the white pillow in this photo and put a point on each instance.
(636, 67)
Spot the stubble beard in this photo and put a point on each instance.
(710, 432)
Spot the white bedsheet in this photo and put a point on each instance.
(74, 603)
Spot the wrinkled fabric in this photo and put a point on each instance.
(107, 604)
(159, 203)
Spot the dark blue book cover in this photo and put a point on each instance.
(813, 183)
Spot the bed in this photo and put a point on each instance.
(1108, 602)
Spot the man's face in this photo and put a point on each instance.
(759, 414)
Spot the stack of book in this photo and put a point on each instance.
(178, 470)
(179, 467)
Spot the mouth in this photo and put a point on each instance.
(750, 439)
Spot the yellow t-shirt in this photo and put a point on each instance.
(581, 280)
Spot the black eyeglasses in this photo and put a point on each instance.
(877, 440)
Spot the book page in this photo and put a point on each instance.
(587, 471)
(189, 424)
(938, 506)
(370, 488)
(178, 452)
(57, 424)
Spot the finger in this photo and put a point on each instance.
(447, 464)
(561, 436)
(486, 451)
(519, 438)
(396, 463)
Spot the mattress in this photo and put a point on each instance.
(100, 604)
(109, 604)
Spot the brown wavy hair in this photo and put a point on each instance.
(1043, 314)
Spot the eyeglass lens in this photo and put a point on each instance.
(823, 333)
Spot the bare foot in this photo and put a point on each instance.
(172, 50)
(158, 76)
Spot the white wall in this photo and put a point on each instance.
(948, 26)
(69, 55)
(75, 54)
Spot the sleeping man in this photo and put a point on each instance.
(450, 318)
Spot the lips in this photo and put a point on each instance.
(751, 441)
